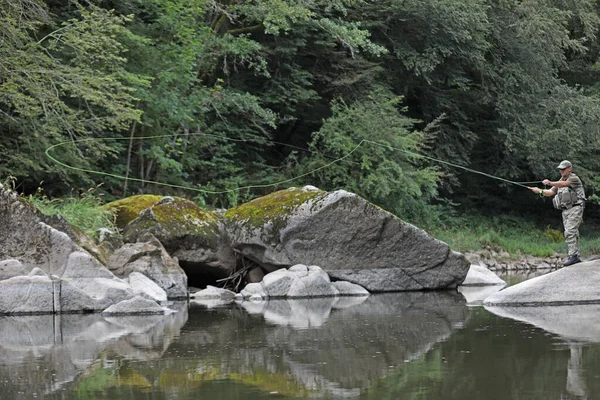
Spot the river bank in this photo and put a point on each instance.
(503, 261)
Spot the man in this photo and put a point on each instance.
(569, 197)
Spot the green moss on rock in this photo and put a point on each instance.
(129, 208)
(175, 218)
(275, 207)
(183, 215)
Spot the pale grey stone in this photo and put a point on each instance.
(278, 283)
(475, 295)
(92, 294)
(39, 272)
(252, 289)
(315, 284)
(299, 269)
(480, 276)
(27, 295)
(350, 289)
(10, 268)
(576, 284)
(136, 305)
(212, 292)
(144, 286)
(151, 259)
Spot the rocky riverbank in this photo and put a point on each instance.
(503, 261)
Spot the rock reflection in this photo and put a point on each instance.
(326, 346)
(298, 313)
(580, 322)
(41, 354)
(577, 324)
(475, 295)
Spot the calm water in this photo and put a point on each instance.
(434, 345)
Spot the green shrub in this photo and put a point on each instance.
(83, 212)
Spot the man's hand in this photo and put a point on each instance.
(535, 190)
(546, 182)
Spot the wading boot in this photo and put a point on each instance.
(571, 260)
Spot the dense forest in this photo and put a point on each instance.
(221, 101)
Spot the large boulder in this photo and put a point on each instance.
(350, 238)
(577, 284)
(44, 269)
(187, 232)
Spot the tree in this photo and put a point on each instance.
(60, 83)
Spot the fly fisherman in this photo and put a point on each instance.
(569, 197)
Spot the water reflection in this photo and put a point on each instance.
(326, 346)
(579, 322)
(475, 295)
(512, 277)
(41, 354)
(426, 345)
(576, 324)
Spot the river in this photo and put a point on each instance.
(417, 345)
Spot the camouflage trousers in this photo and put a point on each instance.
(572, 219)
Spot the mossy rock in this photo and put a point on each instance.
(175, 217)
(129, 208)
(272, 208)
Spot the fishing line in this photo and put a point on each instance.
(334, 161)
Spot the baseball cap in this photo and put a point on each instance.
(564, 164)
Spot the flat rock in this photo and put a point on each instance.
(577, 284)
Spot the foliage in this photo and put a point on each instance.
(238, 99)
(83, 211)
(511, 234)
(60, 81)
(374, 154)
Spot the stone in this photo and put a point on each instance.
(577, 284)
(136, 305)
(348, 237)
(187, 232)
(151, 259)
(27, 295)
(91, 294)
(253, 289)
(212, 292)
(481, 276)
(350, 289)
(256, 274)
(146, 287)
(11, 268)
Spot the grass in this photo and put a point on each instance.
(514, 236)
(83, 212)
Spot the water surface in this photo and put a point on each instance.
(425, 345)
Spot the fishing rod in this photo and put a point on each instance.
(334, 161)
